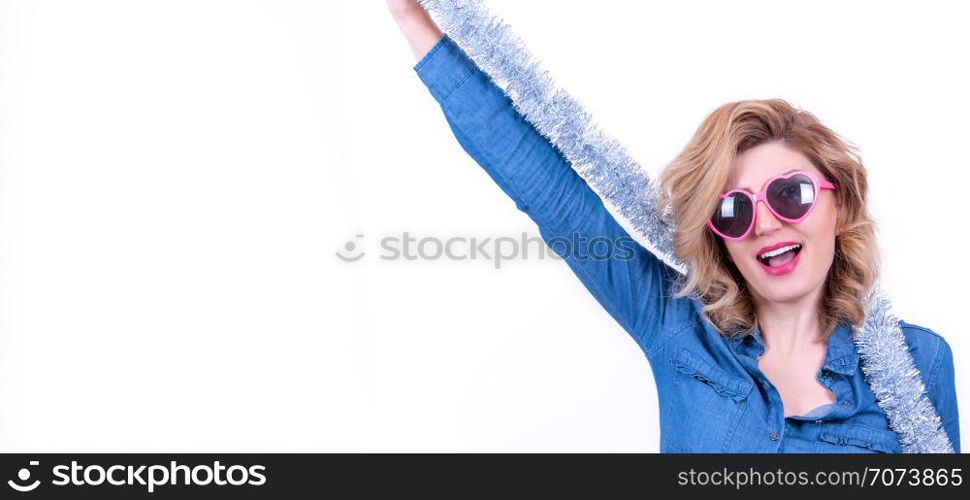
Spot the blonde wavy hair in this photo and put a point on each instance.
(689, 186)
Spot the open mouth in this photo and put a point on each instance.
(781, 256)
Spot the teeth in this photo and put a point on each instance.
(778, 251)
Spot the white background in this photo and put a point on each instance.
(177, 177)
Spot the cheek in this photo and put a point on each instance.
(737, 254)
(824, 221)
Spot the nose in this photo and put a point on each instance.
(766, 222)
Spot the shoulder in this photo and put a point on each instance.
(918, 333)
(928, 348)
(934, 360)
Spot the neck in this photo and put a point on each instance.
(788, 327)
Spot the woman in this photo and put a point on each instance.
(753, 353)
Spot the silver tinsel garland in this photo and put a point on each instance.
(628, 191)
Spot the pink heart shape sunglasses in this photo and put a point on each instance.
(790, 196)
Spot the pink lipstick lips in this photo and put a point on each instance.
(780, 269)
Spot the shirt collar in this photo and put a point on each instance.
(840, 357)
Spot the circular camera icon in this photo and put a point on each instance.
(24, 476)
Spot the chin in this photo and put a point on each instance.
(784, 293)
(787, 287)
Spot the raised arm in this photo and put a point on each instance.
(629, 281)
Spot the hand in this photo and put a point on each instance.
(404, 8)
(419, 29)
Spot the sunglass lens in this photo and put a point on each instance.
(792, 197)
(733, 215)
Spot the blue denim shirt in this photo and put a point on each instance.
(712, 395)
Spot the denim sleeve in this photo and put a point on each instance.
(942, 392)
(629, 281)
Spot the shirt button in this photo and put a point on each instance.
(774, 436)
(847, 402)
